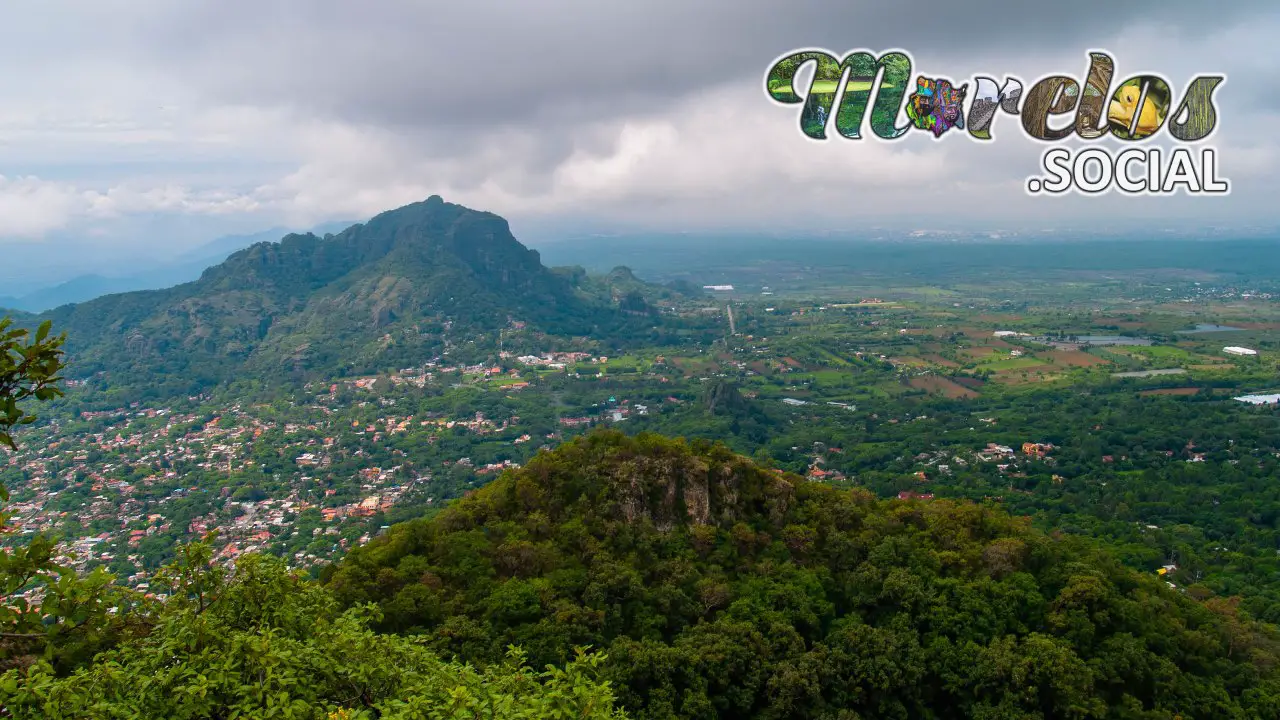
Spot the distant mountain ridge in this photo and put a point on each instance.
(185, 268)
(386, 293)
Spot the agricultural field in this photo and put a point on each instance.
(943, 386)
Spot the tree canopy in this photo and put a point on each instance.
(29, 367)
(267, 643)
(719, 588)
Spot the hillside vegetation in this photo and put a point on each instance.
(722, 589)
(409, 284)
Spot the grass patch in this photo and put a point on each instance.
(1018, 363)
(505, 380)
(1158, 352)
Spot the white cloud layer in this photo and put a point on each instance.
(228, 114)
(31, 207)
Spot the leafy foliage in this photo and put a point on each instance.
(68, 619)
(267, 643)
(28, 369)
(720, 588)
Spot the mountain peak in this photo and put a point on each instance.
(640, 479)
(621, 273)
(404, 274)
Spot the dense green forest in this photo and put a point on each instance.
(719, 588)
(1182, 480)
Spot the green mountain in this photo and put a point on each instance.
(722, 589)
(388, 293)
(620, 288)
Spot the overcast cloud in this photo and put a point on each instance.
(123, 119)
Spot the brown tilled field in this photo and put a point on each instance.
(1171, 391)
(933, 383)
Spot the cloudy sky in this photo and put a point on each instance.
(147, 125)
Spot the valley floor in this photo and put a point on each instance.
(1115, 422)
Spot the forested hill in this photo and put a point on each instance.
(379, 295)
(723, 589)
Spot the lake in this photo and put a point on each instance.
(1202, 328)
(1149, 373)
(1094, 340)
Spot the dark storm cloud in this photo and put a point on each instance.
(467, 65)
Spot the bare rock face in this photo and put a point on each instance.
(681, 488)
(653, 489)
(697, 500)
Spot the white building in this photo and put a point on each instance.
(1273, 399)
(718, 287)
(1239, 351)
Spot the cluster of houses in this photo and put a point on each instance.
(941, 462)
(121, 478)
(557, 361)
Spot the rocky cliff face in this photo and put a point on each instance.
(673, 491)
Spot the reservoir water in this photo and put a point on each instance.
(1094, 340)
(1202, 328)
